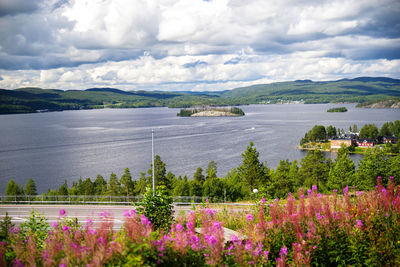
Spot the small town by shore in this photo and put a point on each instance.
(330, 139)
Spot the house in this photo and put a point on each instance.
(389, 139)
(337, 143)
(366, 142)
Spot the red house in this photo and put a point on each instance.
(366, 142)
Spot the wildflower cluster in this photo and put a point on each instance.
(353, 228)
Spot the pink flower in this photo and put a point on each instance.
(391, 178)
(249, 217)
(62, 212)
(345, 190)
(283, 251)
(359, 223)
(217, 226)
(211, 240)
(127, 213)
(179, 227)
(314, 188)
(359, 193)
(263, 201)
(65, 228)
(54, 224)
(92, 232)
(62, 265)
(334, 190)
(234, 238)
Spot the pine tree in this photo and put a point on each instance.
(314, 170)
(198, 176)
(252, 171)
(159, 171)
(128, 184)
(373, 164)
(100, 185)
(30, 188)
(342, 173)
(211, 171)
(114, 186)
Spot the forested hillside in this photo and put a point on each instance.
(364, 90)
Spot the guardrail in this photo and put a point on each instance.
(95, 200)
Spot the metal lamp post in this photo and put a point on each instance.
(152, 156)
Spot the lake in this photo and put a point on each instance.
(57, 146)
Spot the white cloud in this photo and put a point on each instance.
(195, 44)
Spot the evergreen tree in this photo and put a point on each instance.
(100, 185)
(86, 187)
(281, 181)
(142, 184)
(30, 188)
(318, 133)
(213, 188)
(114, 186)
(342, 173)
(195, 188)
(198, 176)
(63, 189)
(211, 171)
(182, 187)
(170, 182)
(355, 128)
(159, 171)
(14, 189)
(234, 186)
(128, 184)
(373, 164)
(252, 171)
(314, 170)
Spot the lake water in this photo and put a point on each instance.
(58, 146)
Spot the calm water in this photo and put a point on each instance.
(58, 146)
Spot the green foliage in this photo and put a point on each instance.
(159, 172)
(374, 164)
(283, 179)
(211, 171)
(30, 189)
(114, 186)
(14, 189)
(369, 131)
(198, 176)
(5, 227)
(343, 171)
(36, 227)
(128, 184)
(252, 171)
(214, 189)
(341, 109)
(158, 208)
(314, 170)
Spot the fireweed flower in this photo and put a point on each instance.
(217, 226)
(65, 228)
(263, 201)
(359, 193)
(314, 188)
(283, 251)
(127, 213)
(249, 217)
(345, 190)
(179, 227)
(62, 212)
(359, 223)
(54, 224)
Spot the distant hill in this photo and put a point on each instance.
(362, 90)
(358, 90)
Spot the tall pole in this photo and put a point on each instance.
(152, 156)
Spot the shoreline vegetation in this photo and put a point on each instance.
(339, 109)
(381, 93)
(355, 141)
(211, 112)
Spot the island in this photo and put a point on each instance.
(207, 111)
(341, 109)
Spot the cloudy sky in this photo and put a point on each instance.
(194, 44)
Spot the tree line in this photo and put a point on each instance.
(320, 133)
(238, 184)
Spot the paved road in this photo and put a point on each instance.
(21, 213)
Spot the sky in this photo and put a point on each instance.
(194, 45)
